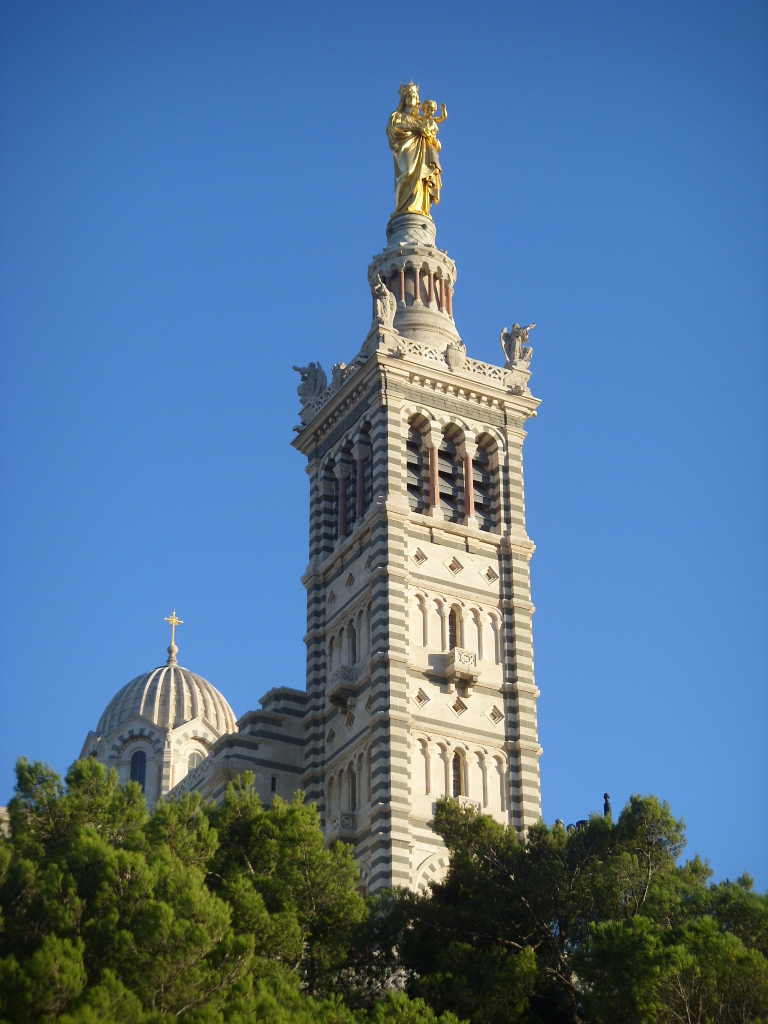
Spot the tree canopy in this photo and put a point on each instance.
(240, 913)
(600, 924)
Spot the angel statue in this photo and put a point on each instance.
(513, 344)
(412, 133)
(313, 382)
(384, 304)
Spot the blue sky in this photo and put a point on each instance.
(191, 194)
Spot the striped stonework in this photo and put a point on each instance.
(420, 676)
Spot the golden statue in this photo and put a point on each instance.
(412, 133)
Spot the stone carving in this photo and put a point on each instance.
(313, 382)
(339, 373)
(342, 822)
(513, 343)
(456, 355)
(607, 805)
(384, 304)
(467, 801)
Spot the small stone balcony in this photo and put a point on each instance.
(341, 685)
(342, 825)
(467, 801)
(461, 668)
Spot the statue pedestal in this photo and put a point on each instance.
(411, 229)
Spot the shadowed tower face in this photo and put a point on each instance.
(420, 679)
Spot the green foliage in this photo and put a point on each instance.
(240, 913)
(598, 925)
(192, 913)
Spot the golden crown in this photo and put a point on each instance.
(404, 88)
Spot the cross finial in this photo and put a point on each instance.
(173, 650)
(174, 623)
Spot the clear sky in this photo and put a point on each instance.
(191, 194)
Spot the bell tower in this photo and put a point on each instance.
(420, 676)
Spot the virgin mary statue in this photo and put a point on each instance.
(413, 142)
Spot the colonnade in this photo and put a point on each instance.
(438, 289)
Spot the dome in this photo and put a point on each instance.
(168, 696)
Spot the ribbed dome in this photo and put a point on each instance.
(169, 697)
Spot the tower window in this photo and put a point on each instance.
(450, 473)
(352, 789)
(139, 768)
(195, 758)
(417, 472)
(457, 774)
(273, 785)
(484, 489)
(453, 629)
(352, 645)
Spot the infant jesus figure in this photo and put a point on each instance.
(430, 122)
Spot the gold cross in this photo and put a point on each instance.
(174, 623)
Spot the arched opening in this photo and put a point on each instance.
(139, 768)
(352, 783)
(361, 484)
(331, 644)
(352, 634)
(458, 775)
(330, 797)
(454, 632)
(194, 759)
(417, 471)
(424, 779)
(329, 506)
(450, 474)
(484, 485)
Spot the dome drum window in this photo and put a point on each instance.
(139, 768)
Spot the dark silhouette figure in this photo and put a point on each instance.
(607, 804)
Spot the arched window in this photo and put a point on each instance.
(483, 485)
(139, 768)
(352, 783)
(330, 653)
(195, 758)
(352, 645)
(457, 775)
(328, 509)
(417, 471)
(454, 635)
(450, 473)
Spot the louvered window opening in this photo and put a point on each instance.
(417, 472)
(450, 472)
(483, 487)
(139, 768)
(352, 498)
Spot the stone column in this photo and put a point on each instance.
(341, 471)
(417, 287)
(431, 287)
(440, 294)
(402, 285)
(467, 451)
(432, 440)
(360, 452)
(449, 300)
